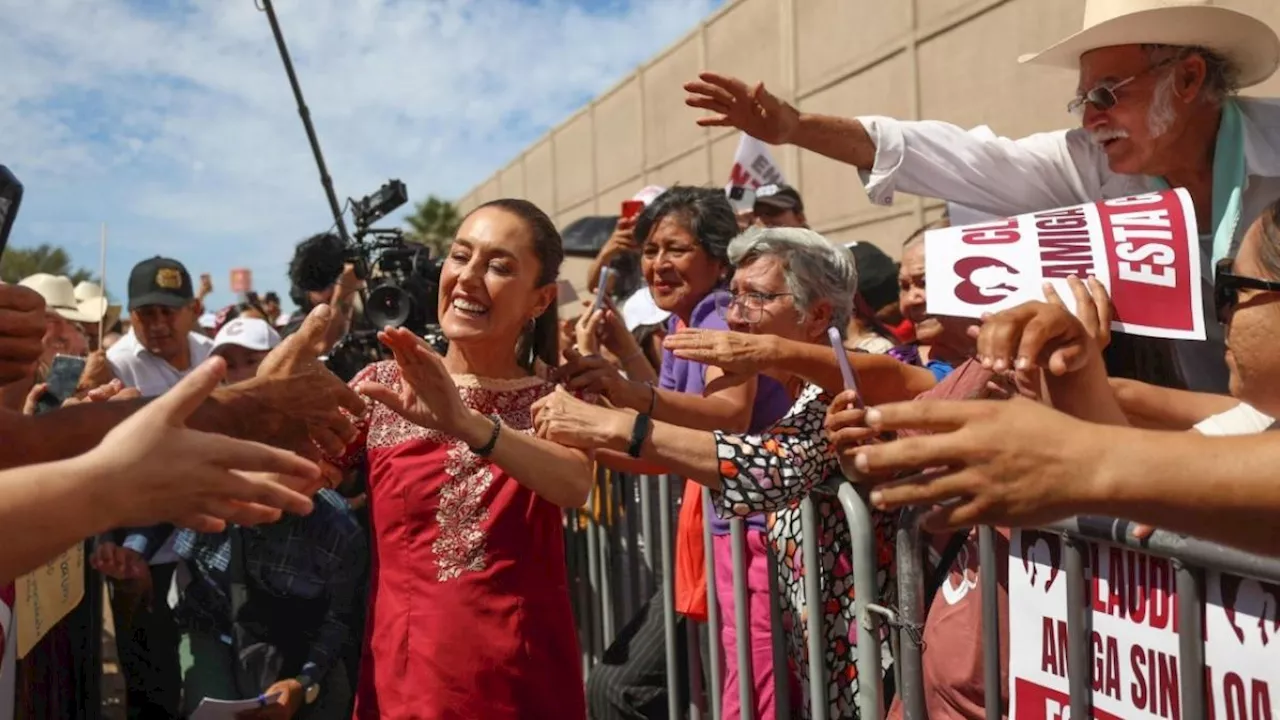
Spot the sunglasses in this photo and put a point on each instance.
(1227, 286)
(1103, 95)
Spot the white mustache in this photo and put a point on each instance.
(1106, 134)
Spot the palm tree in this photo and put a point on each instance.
(19, 263)
(433, 223)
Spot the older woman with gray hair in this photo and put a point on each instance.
(793, 284)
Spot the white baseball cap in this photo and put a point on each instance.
(250, 333)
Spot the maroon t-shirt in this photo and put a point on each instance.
(952, 656)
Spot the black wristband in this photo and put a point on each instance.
(487, 449)
(639, 432)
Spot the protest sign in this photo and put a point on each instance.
(753, 165)
(46, 595)
(1144, 249)
(241, 280)
(1133, 644)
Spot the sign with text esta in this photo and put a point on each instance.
(1144, 249)
(1133, 644)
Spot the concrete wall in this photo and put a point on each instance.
(951, 60)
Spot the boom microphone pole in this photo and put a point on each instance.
(325, 179)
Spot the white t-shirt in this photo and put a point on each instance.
(138, 368)
(1242, 419)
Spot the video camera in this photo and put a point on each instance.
(402, 282)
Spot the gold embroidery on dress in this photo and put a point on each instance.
(461, 514)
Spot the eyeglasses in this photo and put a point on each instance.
(1103, 95)
(750, 305)
(1227, 286)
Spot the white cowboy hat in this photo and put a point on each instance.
(59, 296)
(1248, 42)
(90, 300)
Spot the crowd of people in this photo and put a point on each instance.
(393, 546)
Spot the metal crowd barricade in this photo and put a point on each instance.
(623, 544)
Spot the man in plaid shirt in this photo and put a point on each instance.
(301, 572)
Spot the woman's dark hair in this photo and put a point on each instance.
(543, 343)
(704, 212)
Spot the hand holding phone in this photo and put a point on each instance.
(842, 359)
(602, 288)
(631, 208)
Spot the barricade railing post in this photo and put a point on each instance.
(910, 614)
(646, 533)
(596, 608)
(781, 668)
(714, 683)
(630, 570)
(817, 650)
(746, 676)
(1079, 631)
(1190, 586)
(989, 580)
(607, 549)
(862, 539)
(668, 594)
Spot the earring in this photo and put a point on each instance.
(531, 325)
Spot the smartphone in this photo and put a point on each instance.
(842, 359)
(742, 198)
(631, 208)
(61, 382)
(10, 199)
(602, 288)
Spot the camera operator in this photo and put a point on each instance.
(320, 274)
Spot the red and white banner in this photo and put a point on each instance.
(1144, 249)
(753, 165)
(241, 280)
(1133, 648)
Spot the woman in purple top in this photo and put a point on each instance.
(684, 236)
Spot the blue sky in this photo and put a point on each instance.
(173, 123)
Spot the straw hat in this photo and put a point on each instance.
(59, 296)
(90, 299)
(1248, 42)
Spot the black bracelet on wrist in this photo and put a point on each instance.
(639, 432)
(487, 449)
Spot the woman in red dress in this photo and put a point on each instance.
(469, 613)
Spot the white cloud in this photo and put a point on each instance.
(177, 126)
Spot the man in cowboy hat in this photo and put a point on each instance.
(1157, 108)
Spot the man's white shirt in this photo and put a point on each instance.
(151, 375)
(1005, 177)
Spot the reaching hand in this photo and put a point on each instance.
(593, 375)
(428, 396)
(160, 471)
(753, 110)
(118, 562)
(295, 402)
(847, 430)
(622, 240)
(1011, 463)
(566, 420)
(113, 390)
(1034, 335)
(1093, 307)
(734, 352)
(97, 373)
(21, 332)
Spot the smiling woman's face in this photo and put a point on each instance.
(489, 281)
(677, 268)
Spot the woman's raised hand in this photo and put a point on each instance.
(428, 397)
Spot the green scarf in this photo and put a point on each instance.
(1228, 181)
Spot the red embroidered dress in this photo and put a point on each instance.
(469, 613)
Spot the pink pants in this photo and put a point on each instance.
(760, 627)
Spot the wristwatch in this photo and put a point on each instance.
(310, 688)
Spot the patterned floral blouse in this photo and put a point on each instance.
(771, 473)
